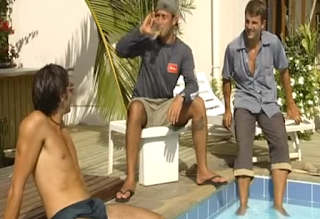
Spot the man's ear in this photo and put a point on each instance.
(62, 96)
(175, 20)
(264, 24)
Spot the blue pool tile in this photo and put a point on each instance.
(193, 214)
(269, 190)
(231, 193)
(257, 188)
(204, 210)
(316, 205)
(299, 191)
(299, 202)
(316, 193)
(222, 198)
(213, 205)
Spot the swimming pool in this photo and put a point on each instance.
(300, 198)
(262, 209)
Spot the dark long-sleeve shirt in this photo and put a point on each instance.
(161, 66)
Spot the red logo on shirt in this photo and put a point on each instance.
(172, 68)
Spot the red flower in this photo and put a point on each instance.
(5, 25)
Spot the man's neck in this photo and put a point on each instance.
(253, 43)
(56, 118)
(168, 39)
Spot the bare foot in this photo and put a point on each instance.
(127, 191)
(241, 210)
(281, 210)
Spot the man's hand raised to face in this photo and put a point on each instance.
(175, 109)
(148, 26)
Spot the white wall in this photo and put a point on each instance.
(198, 29)
(197, 34)
(63, 32)
(232, 21)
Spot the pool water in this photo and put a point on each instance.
(260, 209)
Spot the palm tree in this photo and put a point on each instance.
(114, 76)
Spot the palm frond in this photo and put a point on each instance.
(114, 78)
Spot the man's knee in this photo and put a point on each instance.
(136, 111)
(198, 106)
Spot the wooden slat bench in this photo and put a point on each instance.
(102, 187)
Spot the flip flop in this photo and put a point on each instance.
(210, 182)
(131, 193)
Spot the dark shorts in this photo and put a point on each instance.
(274, 131)
(90, 208)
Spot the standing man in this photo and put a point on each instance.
(164, 58)
(249, 60)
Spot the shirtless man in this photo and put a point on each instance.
(45, 150)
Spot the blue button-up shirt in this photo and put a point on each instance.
(258, 91)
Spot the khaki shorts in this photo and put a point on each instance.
(156, 110)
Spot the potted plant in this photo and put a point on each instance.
(7, 51)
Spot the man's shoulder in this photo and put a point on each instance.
(234, 44)
(270, 38)
(183, 46)
(34, 120)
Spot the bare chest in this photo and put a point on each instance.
(56, 152)
(252, 58)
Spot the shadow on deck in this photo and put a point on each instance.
(174, 198)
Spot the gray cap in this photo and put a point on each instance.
(171, 6)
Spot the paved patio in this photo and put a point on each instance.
(174, 198)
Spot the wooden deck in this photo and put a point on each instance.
(92, 147)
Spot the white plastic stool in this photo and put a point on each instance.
(159, 153)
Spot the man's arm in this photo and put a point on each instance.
(227, 72)
(30, 140)
(191, 89)
(133, 44)
(281, 63)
